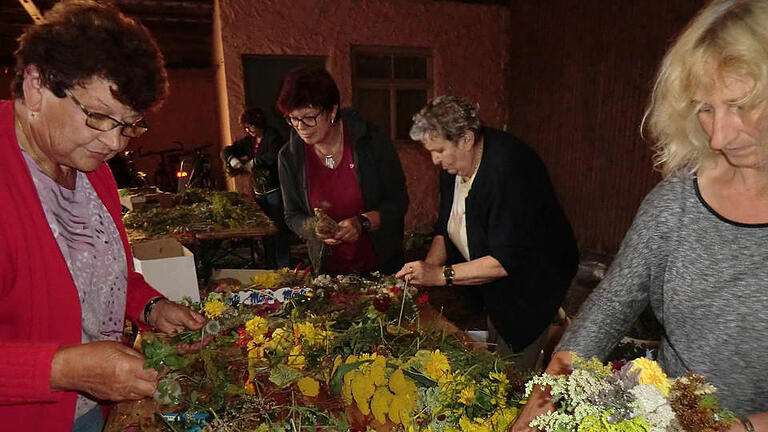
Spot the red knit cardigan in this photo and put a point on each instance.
(39, 306)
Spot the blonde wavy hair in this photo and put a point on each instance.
(727, 37)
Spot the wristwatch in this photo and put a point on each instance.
(448, 274)
(365, 223)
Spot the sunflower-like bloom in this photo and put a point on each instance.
(256, 328)
(467, 395)
(214, 309)
(437, 367)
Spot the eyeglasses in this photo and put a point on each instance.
(105, 123)
(309, 121)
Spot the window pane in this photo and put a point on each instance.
(374, 105)
(409, 102)
(373, 66)
(411, 67)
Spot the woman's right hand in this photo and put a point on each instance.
(106, 370)
(539, 402)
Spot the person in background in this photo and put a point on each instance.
(256, 154)
(83, 81)
(500, 228)
(343, 169)
(696, 250)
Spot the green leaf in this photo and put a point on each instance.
(283, 376)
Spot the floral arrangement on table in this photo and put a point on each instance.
(343, 354)
(196, 210)
(628, 397)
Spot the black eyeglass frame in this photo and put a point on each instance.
(140, 126)
(295, 121)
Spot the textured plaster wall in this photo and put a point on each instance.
(470, 47)
(188, 115)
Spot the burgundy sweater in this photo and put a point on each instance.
(39, 305)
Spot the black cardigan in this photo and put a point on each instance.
(514, 216)
(382, 184)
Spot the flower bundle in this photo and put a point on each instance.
(637, 396)
(347, 353)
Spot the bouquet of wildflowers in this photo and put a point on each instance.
(638, 396)
(344, 353)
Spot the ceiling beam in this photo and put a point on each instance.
(33, 11)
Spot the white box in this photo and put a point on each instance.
(168, 266)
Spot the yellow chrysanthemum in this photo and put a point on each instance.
(214, 309)
(467, 395)
(651, 373)
(268, 280)
(362, 390)
(256, 328)
(295, 359)
(437, 367)
(380, 403)
(308, 386)
(346, 386)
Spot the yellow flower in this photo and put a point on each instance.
(437, 366)
(308, 386)
(651, 373)
(256, 328)
(311, 334)
(378, 371)
(401, 409)
(467, 395)
(214, 309)
(380, 403)
(362, 390)
(295, 359)
(400, 385)
(346, 386)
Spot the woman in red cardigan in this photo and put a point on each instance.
(84, 80)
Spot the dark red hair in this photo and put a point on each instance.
(303, 87)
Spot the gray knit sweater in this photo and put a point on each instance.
(706, 279)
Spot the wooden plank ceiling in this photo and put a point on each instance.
(182, 27)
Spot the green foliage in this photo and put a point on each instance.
(196, 210)
(282, 375)
(159, 354)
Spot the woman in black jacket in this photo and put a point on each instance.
(500, 226)
(256, 155)
(343, 186)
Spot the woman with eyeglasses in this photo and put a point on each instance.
(343, 186)
(84, 79)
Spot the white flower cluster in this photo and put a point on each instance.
(654, 408)
(323, 280)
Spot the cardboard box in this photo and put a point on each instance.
(148, 196)
(168, 266)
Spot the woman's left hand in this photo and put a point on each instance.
(171, 317)
(420, 273)
(349, 230)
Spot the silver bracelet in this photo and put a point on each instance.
(748, 424)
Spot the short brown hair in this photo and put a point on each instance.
(303, 87)
(84, 39)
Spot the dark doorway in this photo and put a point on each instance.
(263, 76)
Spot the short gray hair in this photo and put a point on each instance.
(448, 117)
